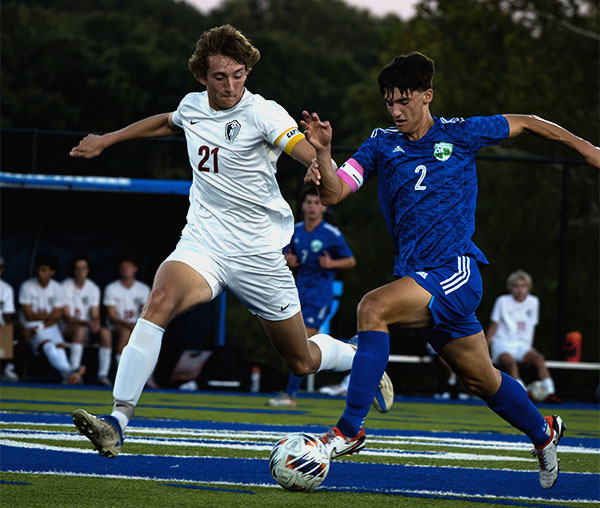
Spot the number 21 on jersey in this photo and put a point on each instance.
(205, 152)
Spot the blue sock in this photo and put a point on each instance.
(367, 368)
(293, 385)
(513, 405)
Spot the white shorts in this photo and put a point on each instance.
(51, 333)
(516, 349)
(263, 283)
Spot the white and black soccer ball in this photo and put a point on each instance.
(536, 391)
(299, 462)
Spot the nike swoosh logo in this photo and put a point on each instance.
(282, 308)
(192, 122)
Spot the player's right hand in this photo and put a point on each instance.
(88, 147)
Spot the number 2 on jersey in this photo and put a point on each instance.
(423, 170)
(204, 152)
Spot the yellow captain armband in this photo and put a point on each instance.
(287, 141)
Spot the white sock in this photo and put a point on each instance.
(137, 363)
(75, 355)
(104, 361)
(57, 358)
(549, 385)
(336, 356)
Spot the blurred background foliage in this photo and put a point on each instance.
(96, 65)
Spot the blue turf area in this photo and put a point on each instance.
(365, 477)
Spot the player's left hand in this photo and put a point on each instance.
(317, 133)
(325, 260)
(313, 175)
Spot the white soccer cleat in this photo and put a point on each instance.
(103, 431)
(337, 444)
(546, 454)
(384, 396)
(282, 400)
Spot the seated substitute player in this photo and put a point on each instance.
(511, 331)
(316, 251)
(42, 303)
(427, 193)
(82, 317)
(7, 312)
(237, 225)
(124, 299)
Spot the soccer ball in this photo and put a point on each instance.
(536, 391)
(299, 462)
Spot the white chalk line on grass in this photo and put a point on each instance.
(406, 492)
(271, 437)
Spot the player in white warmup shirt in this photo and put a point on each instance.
(237, 226)
(511, 332)
(82, 316)
(42, 303)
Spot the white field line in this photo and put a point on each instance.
(273, 436)
(13, 439)
(269, 485)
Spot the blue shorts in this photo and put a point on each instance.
(456, 291)
(314, 315)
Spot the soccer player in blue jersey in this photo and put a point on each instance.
(427, 186)
(316, 251)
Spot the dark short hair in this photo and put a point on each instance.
(46, 260)
(311, 191)
(222, 40)
(78, 256)
(407, 73)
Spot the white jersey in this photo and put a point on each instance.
(236, 206)
(41, 299)
(7, 300)
(128, 301)
(516, 320)
(80, 301)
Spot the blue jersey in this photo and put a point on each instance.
(427, 188)
(315, 283)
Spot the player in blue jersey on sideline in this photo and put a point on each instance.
(427, 186)
(316, 251)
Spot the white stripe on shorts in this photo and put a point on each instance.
(459, 278)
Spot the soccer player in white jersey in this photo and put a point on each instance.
(237, 225)
(82, 316)
(427, 183)
(124, 299)
(511, 331)
(42, 303)
(7, 311)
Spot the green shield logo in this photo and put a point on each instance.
(442, 151)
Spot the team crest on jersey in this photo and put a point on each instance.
(442, 151)
(232, 129)
(316, 245)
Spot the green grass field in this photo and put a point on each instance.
(211, 449)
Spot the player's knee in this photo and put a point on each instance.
(369, 312)
(298, 367)
(160, 303)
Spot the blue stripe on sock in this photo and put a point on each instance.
(513, 405)
(367, 368)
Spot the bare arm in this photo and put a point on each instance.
(328, 262)
(153, 126)
(332, 189)
(530, 123)
(113, 317)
